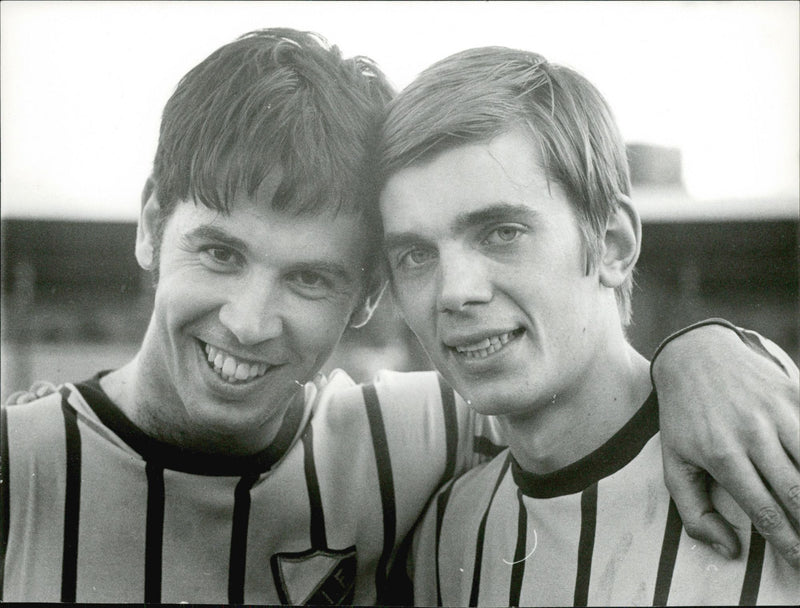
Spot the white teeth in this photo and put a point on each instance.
(211, 353)
(485, 347)
(230, 368)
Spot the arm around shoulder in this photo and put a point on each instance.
(730, 408)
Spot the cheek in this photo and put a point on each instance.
(417, 303)
(180, 297)
(316, 327)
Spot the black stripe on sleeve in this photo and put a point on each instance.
(752, 573)
(586, 545)
(518, 569)
(154, 535)
(669, 551)
(450, 428)
(383, 462)
(441, 507)
(317, 523)
(476, 572)
(5, 498)
(72, 501)
(238, 557)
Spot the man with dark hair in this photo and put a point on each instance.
(511, 239)
(210, 468)
(185, 475)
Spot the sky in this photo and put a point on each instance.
(84, 83)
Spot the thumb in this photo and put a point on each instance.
(688, 486)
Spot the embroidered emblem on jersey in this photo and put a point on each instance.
(316, 576)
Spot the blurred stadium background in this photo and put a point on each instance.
(74, 301)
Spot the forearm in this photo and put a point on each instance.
(678, 353)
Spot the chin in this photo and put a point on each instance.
(489, 401)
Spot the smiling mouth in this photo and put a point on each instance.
(232, 369)
(483, 348)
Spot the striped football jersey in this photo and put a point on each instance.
(93, 510)
(601, 531)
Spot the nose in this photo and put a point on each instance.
(252, 312)
(463, 280)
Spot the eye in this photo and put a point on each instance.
(414, 258)
(219, 256)
(310, 284)
(503, 235)
(309, 278)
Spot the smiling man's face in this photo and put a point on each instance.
(248, 307)
(488, 268)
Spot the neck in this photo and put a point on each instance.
(603, 395)
(158, 412)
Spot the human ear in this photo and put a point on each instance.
(147, 228)
(622, 243)
(363, 313)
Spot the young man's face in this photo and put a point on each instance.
(248, 306)
(487, 266)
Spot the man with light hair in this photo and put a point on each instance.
(511, 240)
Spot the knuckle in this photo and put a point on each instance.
(756, 431)
(14, 397)
(20, 397)
(793, 495)
(42, 388)
(720, 457)
(792, 554)
(768, 520)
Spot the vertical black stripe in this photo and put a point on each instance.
(5, 498)
(518, 569)
(154, 533)
(586, 545)
(383, 462)
(72, 502)
(450, 429)
(441, 507)
(317, 523)
(238, 557)
(669, 551)
(476, 571)
(752, 573)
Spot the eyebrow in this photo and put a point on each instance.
(500, 212)
(210, 233)
(497, 213)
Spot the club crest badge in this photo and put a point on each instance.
(316, 576)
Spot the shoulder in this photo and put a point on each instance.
(40, 420)
(392, 393)
(39, 428)
(49, 404)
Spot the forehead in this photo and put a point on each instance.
(505, 171)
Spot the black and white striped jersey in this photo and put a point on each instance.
(602, 531)
(93, 510)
